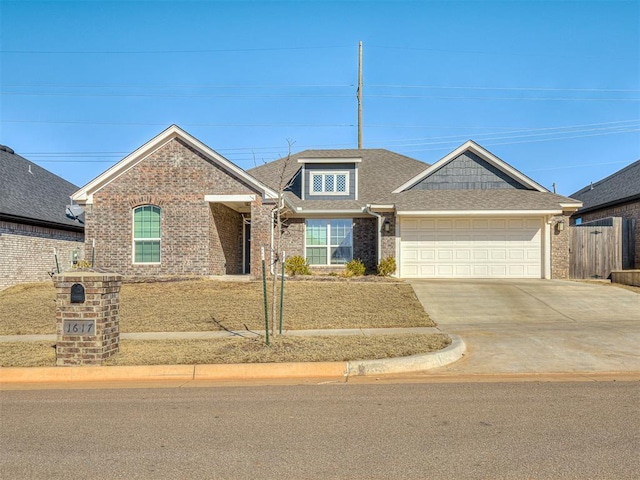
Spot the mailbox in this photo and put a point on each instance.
(77, 293)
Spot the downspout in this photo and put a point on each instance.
(367, 209)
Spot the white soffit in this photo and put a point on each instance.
(473, 213)
(329, 160)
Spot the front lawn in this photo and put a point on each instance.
(191, 305)
(239, 350)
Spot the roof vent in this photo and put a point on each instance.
(4, 148)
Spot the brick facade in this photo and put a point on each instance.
(389, 238)
(26, 252)
(197, 238)
(101, 306)
(624, 210)
(365, 243)
(560, 245)
(261, 222)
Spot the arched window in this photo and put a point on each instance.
(146, 234)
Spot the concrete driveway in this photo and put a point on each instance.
(536, 326)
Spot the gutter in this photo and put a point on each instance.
(41, 223)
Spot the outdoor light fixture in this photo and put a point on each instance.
(560, 226)
(387, 226)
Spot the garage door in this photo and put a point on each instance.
(470, 247)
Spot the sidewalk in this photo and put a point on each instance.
(222, 372)
(223, 334)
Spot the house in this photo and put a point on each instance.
(618, 195)
(175, 206)
(33, 224)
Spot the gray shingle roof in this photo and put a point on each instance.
(622, 186)
(382, 171)
(379, 173)
(31, 194)
(477, 200)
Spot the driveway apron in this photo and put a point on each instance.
(536, 326)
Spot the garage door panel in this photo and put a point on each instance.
(471, 247)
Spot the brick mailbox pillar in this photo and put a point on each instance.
(87, 317)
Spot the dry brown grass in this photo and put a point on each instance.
(27, 354)
(28, 308)
(190, 305)
(239, 350)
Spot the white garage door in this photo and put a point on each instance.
(470, 247)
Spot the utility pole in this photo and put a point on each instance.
(360, 96)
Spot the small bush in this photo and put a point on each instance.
(355, 268)
(387, 266)
(82, 264)
(297, 265)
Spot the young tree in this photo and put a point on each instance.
(279, 225)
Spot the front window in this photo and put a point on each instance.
(329, 242)
(334, 183)
(146, 234)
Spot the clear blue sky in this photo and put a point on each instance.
(553, 88)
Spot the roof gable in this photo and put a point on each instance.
(470, 167)
(85, 194)
(31, 194)
(621, 186)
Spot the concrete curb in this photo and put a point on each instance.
(414, 363)
(249, 371)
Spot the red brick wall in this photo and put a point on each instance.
(176, 178)
(625, 210)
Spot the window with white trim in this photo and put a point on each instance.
(329, 183)
(146, 234)
(329, 242)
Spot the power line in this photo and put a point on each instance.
(136, 52)
(54, 85)
(164, 124)
(539, 89)
(563, 99)
(490, 142)
(346, 85)
(295, 95)
(619, 123)
(524, 134)
(274, 151)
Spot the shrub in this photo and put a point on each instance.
(297, 265)
(387, 266)
(82, 264)
(355, 268)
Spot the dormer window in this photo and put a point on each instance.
(329, 183)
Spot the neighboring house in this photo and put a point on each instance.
(175, 206)
(33, 223)
(618, 195)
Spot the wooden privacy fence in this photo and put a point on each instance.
(601, 246)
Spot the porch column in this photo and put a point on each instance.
(261, 236)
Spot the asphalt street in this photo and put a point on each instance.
(417, 430)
